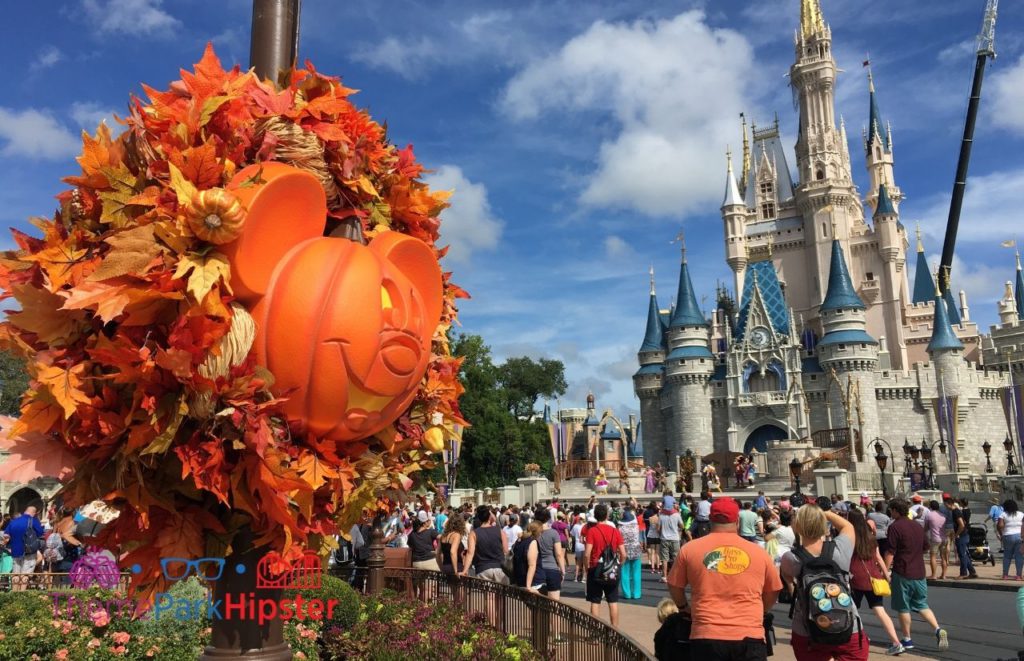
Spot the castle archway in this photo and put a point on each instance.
(22, 498)
(758, 439)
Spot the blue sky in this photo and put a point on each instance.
(579, 137)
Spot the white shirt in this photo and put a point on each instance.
(1012, 523)
(512, 534)
(786, 538)
(917, 512)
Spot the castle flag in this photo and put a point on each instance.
(1012, 409)
(946, 414)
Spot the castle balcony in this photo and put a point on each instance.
(768, 398)
(870, 291)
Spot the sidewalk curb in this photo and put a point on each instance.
(1007, 586)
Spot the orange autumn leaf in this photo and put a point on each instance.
(106, 300)
(65, 385)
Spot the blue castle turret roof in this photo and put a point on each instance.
(924, 284)
(884, 206)
(654, 337)
(943, 336)
(875, 119)
(1019, 293)
(840, 294)
(687, 312)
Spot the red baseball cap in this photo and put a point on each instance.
(725, 510)
(916, 498)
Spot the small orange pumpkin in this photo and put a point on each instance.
(216, 216)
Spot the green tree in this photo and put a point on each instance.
(13, 382)
(524, 381)
(499, 404)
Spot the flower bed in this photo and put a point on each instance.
(384, 628)
(394, 628)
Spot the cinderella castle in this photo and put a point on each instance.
(828, 345)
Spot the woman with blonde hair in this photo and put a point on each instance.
(811, 525)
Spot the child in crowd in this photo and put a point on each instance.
(672, 640)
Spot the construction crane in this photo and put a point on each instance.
(986, 51)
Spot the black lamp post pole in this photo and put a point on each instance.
(275, 37)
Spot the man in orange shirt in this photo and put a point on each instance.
(733, 583)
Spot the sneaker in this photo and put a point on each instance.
(895, 649)
(942, 639)
(907, 644)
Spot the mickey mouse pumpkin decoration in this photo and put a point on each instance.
(344, 328)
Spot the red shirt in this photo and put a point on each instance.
(599, 536)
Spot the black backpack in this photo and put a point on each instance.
(30, 540)
(608, 564)
(824, 590)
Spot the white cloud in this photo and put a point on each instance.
(1008, 97)
(89, 114)
(988, 215)
(404, 57)
(617, 248)
(46, 58)
(35, 134)
(131, 17)
(674, 88)
(469, 224)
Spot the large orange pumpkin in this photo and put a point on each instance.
(344, 328)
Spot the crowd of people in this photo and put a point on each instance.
(29, 546)
(834, 562)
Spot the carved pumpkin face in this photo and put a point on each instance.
(344, 328)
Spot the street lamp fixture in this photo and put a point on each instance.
(795, 468)
(882, 460)
(987, 449)
(1011, 466)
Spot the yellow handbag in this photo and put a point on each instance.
(879, 586)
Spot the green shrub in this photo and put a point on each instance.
(331, 587)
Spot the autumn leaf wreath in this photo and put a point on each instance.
(143, 381)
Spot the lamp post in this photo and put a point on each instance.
(882, 460)
(1011, 466)
(795, 468)
(987, 449)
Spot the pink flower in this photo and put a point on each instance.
(300, 655)
(119, 650)
(61, 654)
(121, 637)
(309, 634)
(99, 618)
(152, 651)
(94, 643)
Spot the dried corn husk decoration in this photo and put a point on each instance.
(302, 149)
(234, 347)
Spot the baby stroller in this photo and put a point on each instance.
(977, 544)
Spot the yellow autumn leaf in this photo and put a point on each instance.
(181, 186)
(163, 441)
(41, 314)
(65, 385)
(207, 270)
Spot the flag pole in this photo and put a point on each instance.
(274, 45)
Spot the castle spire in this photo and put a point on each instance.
(811, 20)
(884, 206)
(841, 293)
(687, 311)
(732, 192)
(924, 285)
(745, 165)
(654, 338)
(1019, 294)
(943, 337)
(875, 127)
